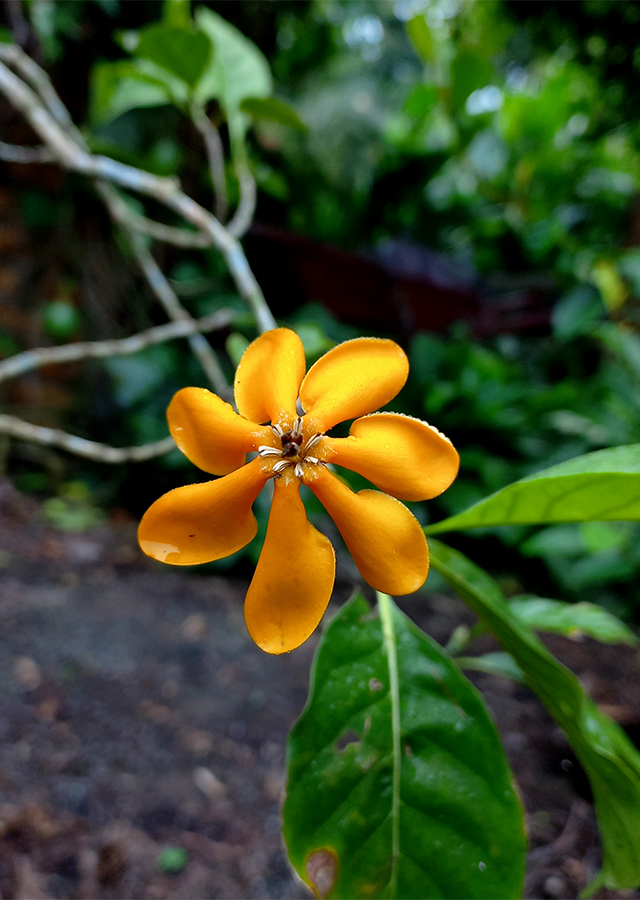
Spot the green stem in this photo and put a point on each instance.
(389, 636)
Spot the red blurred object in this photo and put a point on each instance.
(400, 287)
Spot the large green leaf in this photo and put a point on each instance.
(601, 485)
(609, 759)
(179, 50)
(397, 782)
(237, 70)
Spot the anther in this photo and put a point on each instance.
(265, 450)
(313, 440)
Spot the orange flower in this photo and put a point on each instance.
(293, 581)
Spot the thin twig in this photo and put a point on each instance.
(175, 311)
(124, 215)
(53, 437)
(243, 215)
(215, 155)
(14, 153)
(45, 356)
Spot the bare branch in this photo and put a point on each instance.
(53, 437)
(246, 208)
(167, 190)
(122, 213)
(45, 356)
(215, 155)
(13, 153)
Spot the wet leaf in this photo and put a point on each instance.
(606, 754)
(397, 783)
(604, 485)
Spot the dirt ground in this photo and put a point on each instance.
(142, 733)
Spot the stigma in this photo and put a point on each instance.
(295, 449)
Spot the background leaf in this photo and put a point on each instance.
(181, 51)
(238, 69)
(571, 619)
(270, 109)
(397, 783)
(601, 485)
(608, 757)
(120, 86)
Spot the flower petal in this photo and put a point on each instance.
(353, 379)
(210, 433)
(294, 577)
(269, 375)
(402, 456)
(385, 539)
(202, 522)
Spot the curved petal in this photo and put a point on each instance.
(210, 432)
(294, 577)
(385, 539)
(402, 456)
(269, 375)
(353, 379)
(202, 522)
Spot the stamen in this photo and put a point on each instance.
(277, 430)
(298, 470)
(265, 450)
(313, 440)
(296, 431)
(281, 466)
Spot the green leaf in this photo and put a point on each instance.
(120, 86)
(270, 109)
(608, 757)
(498, 663)
(179, 50)
(601, 485)
(237, 70)
(571, 619)
(397, 783)
(421, 37)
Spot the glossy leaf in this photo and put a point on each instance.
(179, 50)
(397, 783)
(608, 757)
(270, 109)
(572, 619)
(604, 485)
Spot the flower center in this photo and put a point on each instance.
(295, 449)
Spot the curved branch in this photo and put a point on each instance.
(53, 437)
(45, 356)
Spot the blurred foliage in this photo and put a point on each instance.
(503, 135)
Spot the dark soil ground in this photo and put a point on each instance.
(136, 715)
